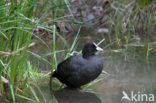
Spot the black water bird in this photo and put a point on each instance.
(79, 70)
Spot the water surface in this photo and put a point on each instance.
(124, 72)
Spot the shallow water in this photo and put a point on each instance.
(124, 72)
(131, 75)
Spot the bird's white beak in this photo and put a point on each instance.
(98, 48)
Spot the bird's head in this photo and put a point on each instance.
(89, 49)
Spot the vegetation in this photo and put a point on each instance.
(131, 27)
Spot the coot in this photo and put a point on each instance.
(79, 70)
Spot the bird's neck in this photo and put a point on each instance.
(87, 55)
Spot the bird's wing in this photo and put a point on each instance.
(68, 67)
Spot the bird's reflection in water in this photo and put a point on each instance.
(68, 95)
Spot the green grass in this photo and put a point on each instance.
(17, 20)
(129, 24)
(17, 23)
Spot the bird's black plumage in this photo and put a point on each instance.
(79, 70)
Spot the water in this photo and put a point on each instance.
(126, 72)
(132, 75)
